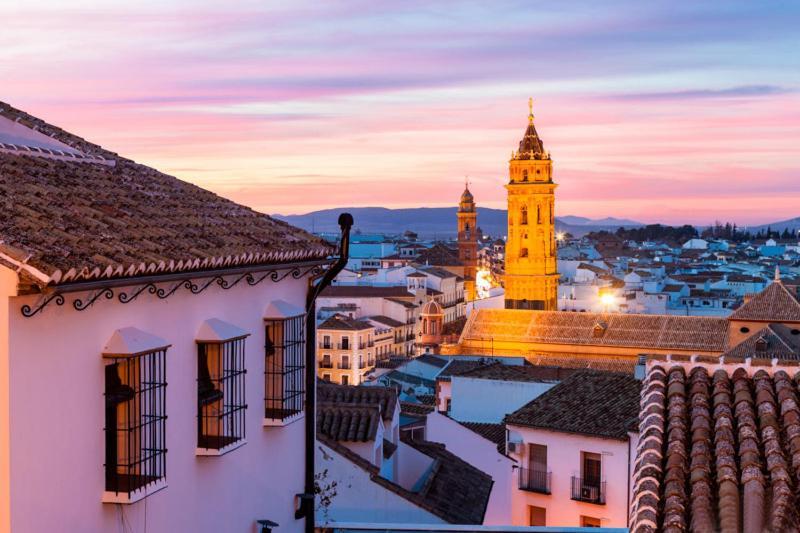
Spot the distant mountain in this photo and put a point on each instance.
(793, 225)
(434, 222)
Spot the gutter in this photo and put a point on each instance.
(305, 508)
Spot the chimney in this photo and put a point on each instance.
(640, 370)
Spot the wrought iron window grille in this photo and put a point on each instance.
(135, 421)
(221, 399)
(284, 373)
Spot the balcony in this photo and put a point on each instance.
(362, 365)
(534, 480)
(410, 337)
(588, 490)
(326, 346)
(325, 364)
(344, 366)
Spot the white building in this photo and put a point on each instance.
(151, 346)
(575, 446)
(367, 472)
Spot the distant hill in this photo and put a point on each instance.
(793, 225)
(435, 222)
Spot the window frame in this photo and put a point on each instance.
(140, 423)
(230, 387)
(284, 370)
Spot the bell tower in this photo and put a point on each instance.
(531, 277)
(468, 241)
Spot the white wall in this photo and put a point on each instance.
(412, 464)
(57, 418)
(358, 498)
(483, 455)
(564, 461)
(490, 400)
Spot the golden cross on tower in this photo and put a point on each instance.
(530, 110)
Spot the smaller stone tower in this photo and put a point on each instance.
(468, 241)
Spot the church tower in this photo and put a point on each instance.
(531, 277)
(468, 241)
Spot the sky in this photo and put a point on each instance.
(673, 112)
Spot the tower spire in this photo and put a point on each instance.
(530, 110)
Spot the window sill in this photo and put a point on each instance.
(127, 498)
(280, 422)
(214, 452)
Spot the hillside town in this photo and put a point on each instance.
(373, 383)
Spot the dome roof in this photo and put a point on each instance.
(432, 307)
(466, 196)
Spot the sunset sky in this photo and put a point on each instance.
(657, 111)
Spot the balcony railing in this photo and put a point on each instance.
(326, 364)
(534, 480)
(410, 337)
(589, 490)
(326, 346)
(344, 366)
(362, 364)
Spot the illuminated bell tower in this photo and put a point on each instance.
(468, 241)
(531, 277)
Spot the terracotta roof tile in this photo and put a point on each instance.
(74, 221)
(589, 402)
(717, 452)
(349, 422)
(772, 341)
(776, 303)
(365, 291)
(495, 433)
(622, 330)
(384, 397)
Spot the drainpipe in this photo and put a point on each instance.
(306, 500)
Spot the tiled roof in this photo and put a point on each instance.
(75, 221)
(530, 147)
(520, 373)
(595, 403)
(455, 491)
(384, 397)
(413, 409)
(719, 449)
(772, 341)
(365, 291)
(438, 255)
(456, 488)
(495, 433)
(426, 399)
(432, 360)
(622, 330)
(590, 361)
(437, 272)
(349, 422)
(387, 321)
(458, 367)
(776, 303)
(341, 322)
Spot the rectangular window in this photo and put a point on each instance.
(345, 379)
(285, 368)
(135, 423)
(345, 343)
(221, 400)
(537, 516)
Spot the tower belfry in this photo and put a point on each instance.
(531, 276)
(467, 215)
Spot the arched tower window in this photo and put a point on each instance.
(523, 215)
(523, 252)
(524, 175)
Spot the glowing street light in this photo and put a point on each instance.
(607, 300)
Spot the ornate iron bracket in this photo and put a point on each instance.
(80, 305)
(28, 311)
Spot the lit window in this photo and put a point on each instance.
(523, 216)
(135, 415)
(221, 401)
(284, 349)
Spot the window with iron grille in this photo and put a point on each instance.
(135, 425)
(221, 400)
(285, 368)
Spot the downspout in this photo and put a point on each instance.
(306, 500)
